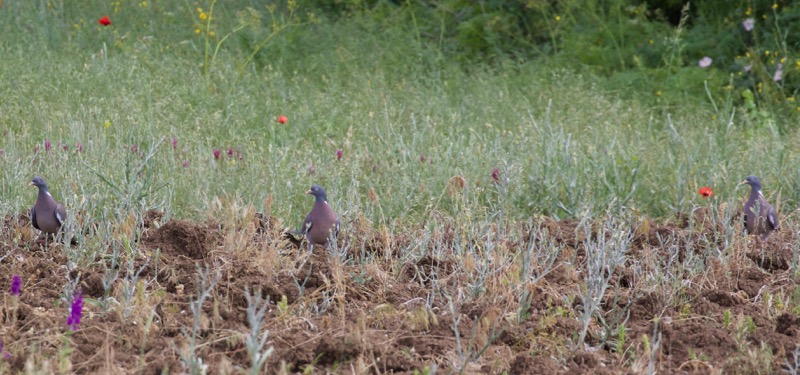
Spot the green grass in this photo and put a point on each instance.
(569, 143)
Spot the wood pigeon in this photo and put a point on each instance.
(47, 215)
(321, 223)
(759, 216)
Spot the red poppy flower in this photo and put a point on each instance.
(282, 119)
(706, 192)
(105, 21)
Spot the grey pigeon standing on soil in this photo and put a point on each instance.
(47, 215)
(321, 222)
(759, 216)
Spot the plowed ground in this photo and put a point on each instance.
(381, 309)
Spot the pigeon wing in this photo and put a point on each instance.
(772, 218)
(61, 214)
(33, 218)
(306, 225)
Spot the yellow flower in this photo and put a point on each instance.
(651, 42)
(199, 10)
(747, 54)
(212, 34)
(658, 93)
(774, 5)
(143, 4)
(748, 12)
(107, 124)
(790, 99)
(203, 16)
(766, 53)
(558, 18)
(783, 60)
(197, 31)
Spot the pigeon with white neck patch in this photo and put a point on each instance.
(321, 223)
(47, 215)
(759, 216)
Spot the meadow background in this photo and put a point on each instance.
(455, 119)
(605, 106)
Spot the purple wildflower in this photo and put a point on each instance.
(64, 147)
(339, 153)
(186, 164)
(705, 62)
(79, 147)
(216, 154)
(496, 175)
(174, 142)
(778, 73)
(16, 283)
(47, 145)
(748, 24)
(422, 158)
(230, 151)
(75, 311)
(748, 67)
(36, 149)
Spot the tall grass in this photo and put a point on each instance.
(378, 95)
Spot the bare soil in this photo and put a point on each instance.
(379, 312)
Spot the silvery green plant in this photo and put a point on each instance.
(129, 282)
(538, 257)
(654, 347)
(605, 251)
(69, 289)
(793, 367)
(205, 282)
(138, 181)
(110, 274)
(256, 338)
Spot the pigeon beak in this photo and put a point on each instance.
(308, 192)
(743, 182)
(31, 184)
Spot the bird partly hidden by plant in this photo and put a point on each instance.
(47, 215)
(759, 216)
(321, 223)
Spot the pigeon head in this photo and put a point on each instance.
(753, 181)
(39, 183)
(318, 192)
